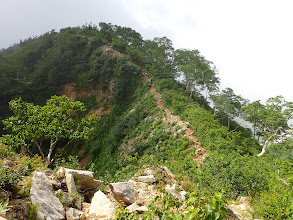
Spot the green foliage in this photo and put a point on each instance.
(271, 118)
(227, 103)
(33, 124)
(199, 73)
(71, 162)
(167, 207)
(4, 207)
(33, 212)
(15, 166)
(134, 129)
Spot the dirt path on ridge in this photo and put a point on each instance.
(200, 152)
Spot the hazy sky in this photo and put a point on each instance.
(249, 41)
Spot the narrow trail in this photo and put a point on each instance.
(200, 152)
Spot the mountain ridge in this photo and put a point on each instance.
(146, 117)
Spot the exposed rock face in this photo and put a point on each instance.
(86, 177)
(101, 206)
(124, 192)
(50, 208)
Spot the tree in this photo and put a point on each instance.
(254, 112)
(199, 73)
(227, 103)
(160, 52)
(270, 119)
(37, 125)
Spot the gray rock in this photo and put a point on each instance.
(74, 214)
(168, 172)
(135, 207)
(68, 200)
(78, 203)
(49, 206)
(70, 183)
(86, 177)
(141, 209)
(123, 192)
(101, 206)
(182, 195)
(148, 172)
(171, 190)
(132, 207)
(146, 179)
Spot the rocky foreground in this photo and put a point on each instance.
(75, 194)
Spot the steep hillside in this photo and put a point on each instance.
(146, 118)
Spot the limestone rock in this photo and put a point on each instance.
(132, 207)
(141, 209)
(101, 206)
(146, 179)
(68, 200)
(41, 194)
(182, 195)
(70, 183)
(148, 172)
(86, 177)
(124, 192)
(168, 172)
(241, 209)
(1, 218)
(171, 190)
(78, 203)
(135, 207)
(74, 214)
(61, 172)
(144, 192)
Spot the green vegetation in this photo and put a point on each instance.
(53, 122)
(132, 131)
(167, 207)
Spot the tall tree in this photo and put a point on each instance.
(53, 122)
(270, 119)
(160, 52)
(199, 73)
(227, 103)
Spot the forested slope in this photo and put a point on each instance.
(146, 118)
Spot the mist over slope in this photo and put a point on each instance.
(145, 117)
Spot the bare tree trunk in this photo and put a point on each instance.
(267, 142)
(52, 145)
(40, 149)
(254, 129)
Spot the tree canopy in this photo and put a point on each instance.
(38, 125)
(228, 103)
(271, 119)
(199, 73)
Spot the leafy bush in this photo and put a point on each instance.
(167, 207)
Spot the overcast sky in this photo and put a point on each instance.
(249, 41)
